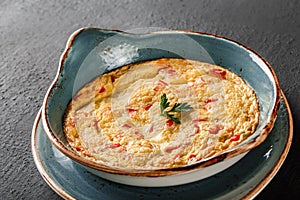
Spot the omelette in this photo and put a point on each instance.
(161, 114)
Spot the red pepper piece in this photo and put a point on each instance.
(167, 69)
(235, 138)
(102, 89)
(126, 126)
(163, 83)
(78, 149)
(148, 107)
(170, 122)
(171, 71)
(156, 88)
(210, 101)
(219, 73)
(197, 129)
(151, 128)
(170, 149)
(215, 130)
(198, 120)
(160, 85)
(113, 146)
(131, 112)
(139, 134)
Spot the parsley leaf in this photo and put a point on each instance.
(178, 107)
(181, 107)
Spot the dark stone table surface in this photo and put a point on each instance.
(33, 34)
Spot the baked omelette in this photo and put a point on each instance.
(161, 114)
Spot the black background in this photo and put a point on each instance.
(33, 34)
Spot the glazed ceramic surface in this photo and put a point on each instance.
(91, 52)
(245, 179)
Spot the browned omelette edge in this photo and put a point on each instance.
(154, 173)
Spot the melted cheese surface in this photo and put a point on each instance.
(116, 119)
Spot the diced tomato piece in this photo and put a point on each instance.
(168, 70)
(113, 146)
(215, 130)
(171, 71)
(170, 122)
(197, 129)
(131, 112)
(156, 88)
(139, 134)
(198, 120)
(219, 73)
(210, 101)
(192, 156)
(235, 138)
(102, 89)
(163, 83)
(126, 126)
(170, 149)
(151, 128)
(148, 107)
(78, 149)
(160, 85)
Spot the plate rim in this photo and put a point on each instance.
(38, 163)
(250, 195)
(267, 179)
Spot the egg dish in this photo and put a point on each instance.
(161, 114)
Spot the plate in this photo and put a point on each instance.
(245, 179)
(91, 52)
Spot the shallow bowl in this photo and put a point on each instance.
(91, 52)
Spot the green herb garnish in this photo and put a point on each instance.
(169, 113)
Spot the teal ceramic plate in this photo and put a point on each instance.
(245, 179)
